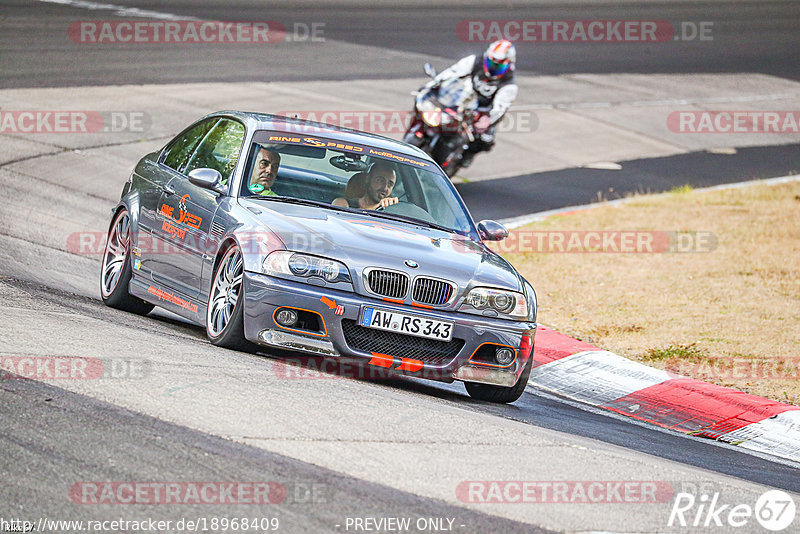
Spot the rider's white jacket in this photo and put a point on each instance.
(499, 94)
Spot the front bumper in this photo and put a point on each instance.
(340, 311)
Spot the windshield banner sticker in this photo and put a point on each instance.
(347, 147)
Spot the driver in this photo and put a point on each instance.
(265, 170)
(377, 189)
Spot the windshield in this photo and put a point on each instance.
(457, 93)
(352, 177)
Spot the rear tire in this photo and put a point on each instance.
(225, 311)
(501, 394)
(116, 271)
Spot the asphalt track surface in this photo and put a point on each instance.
(530, 193)
(47, 426)
(89, 431)
(756, 36)
(50, 433)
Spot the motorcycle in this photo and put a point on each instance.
(443, 118)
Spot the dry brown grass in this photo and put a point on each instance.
(730, 316)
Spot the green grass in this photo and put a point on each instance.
(681, 189)
(675, 352)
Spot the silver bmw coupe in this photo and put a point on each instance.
(301, 236)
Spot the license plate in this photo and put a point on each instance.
(407, 324)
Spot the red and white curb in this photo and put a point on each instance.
(582, 372)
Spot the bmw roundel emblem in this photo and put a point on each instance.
(412, 264)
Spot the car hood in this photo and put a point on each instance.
(362, 241)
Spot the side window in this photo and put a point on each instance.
(220, 149)
(183, 147)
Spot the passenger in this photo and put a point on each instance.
(378, 188)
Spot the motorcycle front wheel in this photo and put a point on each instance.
(447, 153)
(411, 138)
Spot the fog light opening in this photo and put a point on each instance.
(504, 355)
(286, 317)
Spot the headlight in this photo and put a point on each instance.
(508, 303)
(431, 114)
(286, 262)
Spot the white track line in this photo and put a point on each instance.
(522, 220)
(122, 11)
(660, 103)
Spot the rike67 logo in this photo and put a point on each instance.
(774, 510)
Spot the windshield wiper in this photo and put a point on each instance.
(406, 218)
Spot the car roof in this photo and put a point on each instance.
(279, 123)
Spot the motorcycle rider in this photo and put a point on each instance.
(492, 76)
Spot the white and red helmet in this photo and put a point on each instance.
(499, 58)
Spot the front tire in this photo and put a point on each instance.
(225, 311)
(447, 153)
(501, 394)
(116, 272)
(411, 138)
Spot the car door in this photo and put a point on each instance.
(186, 211)
(160, 173)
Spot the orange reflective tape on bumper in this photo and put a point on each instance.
(410, 365)
(382, 360)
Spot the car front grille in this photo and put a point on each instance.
(432, 291)
(430, 351)
(389, 284)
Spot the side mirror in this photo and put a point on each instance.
(429, 70)
(492, 230)
(207, 179)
